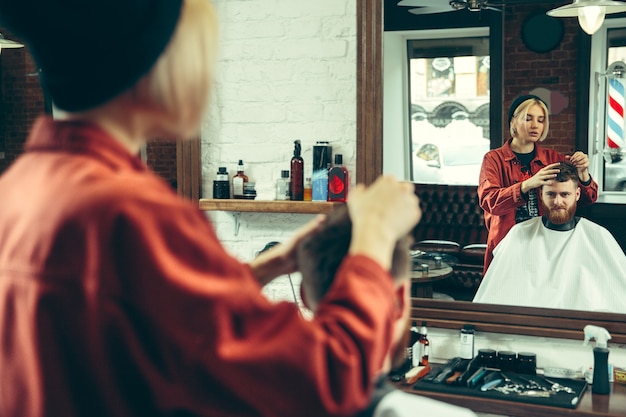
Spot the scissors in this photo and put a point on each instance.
(556, 387)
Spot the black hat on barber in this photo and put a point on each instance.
(519, 100)
(91, 51)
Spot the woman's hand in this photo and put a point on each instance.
(281, 259)
(543, 177)
(381, 214)
(581, 162)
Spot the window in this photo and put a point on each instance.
(607, 129)
(449, 87)
(436, 104)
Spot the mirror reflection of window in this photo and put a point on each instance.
(448, 82)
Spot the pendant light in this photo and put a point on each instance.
(6, 43)
(590, 13)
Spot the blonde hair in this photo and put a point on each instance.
(522, 112)
(178, 85)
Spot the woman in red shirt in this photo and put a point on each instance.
(116, 297)
(511, 175)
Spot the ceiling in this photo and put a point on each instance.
(399, 18)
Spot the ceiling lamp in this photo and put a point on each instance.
(590, 13)
(6, 43)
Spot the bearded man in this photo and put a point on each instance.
(558, 260)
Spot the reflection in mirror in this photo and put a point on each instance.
(558, 260)
(452, 227)
(445, 314)
(436, 116)
(448, 84)
(436, 121)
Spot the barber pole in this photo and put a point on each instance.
(615, 120)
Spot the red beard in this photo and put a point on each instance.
(559, 216)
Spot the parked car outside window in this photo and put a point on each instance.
(449, 161)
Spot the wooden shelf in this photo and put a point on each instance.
(266, 206)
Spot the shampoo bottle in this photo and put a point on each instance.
(297, 173)
(322, 154)
(338, 181)
(467, 342)
(239, 181)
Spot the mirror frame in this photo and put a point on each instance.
(541, 322)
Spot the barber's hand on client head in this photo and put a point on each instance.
(381, 214)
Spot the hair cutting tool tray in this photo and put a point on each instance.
(494, 384)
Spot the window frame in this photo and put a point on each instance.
(396, 97)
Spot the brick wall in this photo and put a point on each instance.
(161, 157)
(525, 70)
(22, 100)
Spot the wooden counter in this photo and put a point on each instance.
(613, 405)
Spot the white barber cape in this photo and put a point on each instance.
(402, 404)
(579, 269)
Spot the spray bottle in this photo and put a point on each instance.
(600, 383)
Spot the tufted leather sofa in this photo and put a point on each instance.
(453, 224)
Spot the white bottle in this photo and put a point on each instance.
(282, 186)
(239, 181)
(424, 349)
(467, 342)
(414, 348)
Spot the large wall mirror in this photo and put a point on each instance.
(370, 144)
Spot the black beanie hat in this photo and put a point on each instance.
(89, 52)
(519, 100)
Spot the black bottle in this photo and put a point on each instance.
(221, 186)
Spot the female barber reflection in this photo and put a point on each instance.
(511, 175)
